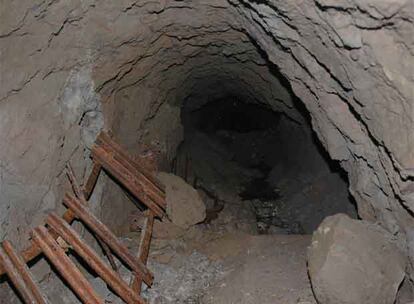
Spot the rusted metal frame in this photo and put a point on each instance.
(125, 177)
(16, 278)
(92, 179)
(79, 193)
(150, 189)
(93, 260)
(108, 237)
(154, 187)
(65, 266)
(20, 277)
(145, 241)
(24, 272)
(33, 250)
(105, 138)
(143, 250)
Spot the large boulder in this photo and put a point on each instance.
(184, 204)
(354, 262)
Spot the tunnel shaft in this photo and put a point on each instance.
(337, 77)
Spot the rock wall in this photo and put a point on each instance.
(70, 68)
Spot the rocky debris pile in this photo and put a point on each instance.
(181, 277)
(353, 262)
(184, 279)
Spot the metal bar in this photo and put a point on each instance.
(152, 190)
(65, 266)
(143, 250)
(23, 270)
(145, 241)
(105, 138)
(125, 177)
(91, 181)
(119, 153)
(153, 186)
(79, 193)
(108, 237)
(93, 260)
(72, 179)
(33, 250)
(108, 254)
(16, 278)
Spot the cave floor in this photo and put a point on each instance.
(206, 267)
(265, 269)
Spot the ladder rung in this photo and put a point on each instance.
(20, 276)
(152, 189)
(103, 137)
(79, 193)
(155, 188)
(93, 260)
(143, 249)
(92, 179)
(24, 271)
(108, 237)
(125, 163)
(125, 177)
(65, 266)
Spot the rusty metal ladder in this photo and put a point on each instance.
(53, 239)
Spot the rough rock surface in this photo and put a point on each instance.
(352, 262)
(278, 171)
(130, 60)
(185, 207)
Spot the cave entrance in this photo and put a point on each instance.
(258, 170)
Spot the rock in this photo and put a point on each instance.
(162, 229)
(184, 205)
(405, 292)
(166, 230)
(354, 262)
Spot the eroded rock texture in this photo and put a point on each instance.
(69, 68)
(358, 255)
(185, 207)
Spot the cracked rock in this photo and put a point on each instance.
(361, 256)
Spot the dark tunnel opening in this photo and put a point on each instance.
(267, 172)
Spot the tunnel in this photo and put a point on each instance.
(246, 156)
(283, 128)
